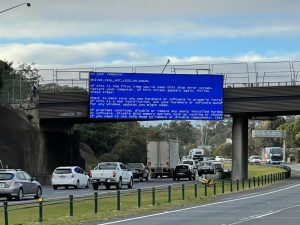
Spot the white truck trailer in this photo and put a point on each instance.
(162, 157)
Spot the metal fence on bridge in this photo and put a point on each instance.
(239, 74)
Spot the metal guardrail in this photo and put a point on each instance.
(155, 196)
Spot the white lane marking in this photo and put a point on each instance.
(262, 215)
(200, 206)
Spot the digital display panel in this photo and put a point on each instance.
(144, 96)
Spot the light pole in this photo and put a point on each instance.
(25, 3)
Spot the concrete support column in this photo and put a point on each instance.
(239, 148)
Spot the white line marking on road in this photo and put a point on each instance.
(200, 206)
(262, 215)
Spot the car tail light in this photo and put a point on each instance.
(114, 173)
(9, 184)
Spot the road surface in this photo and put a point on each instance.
(274, 205)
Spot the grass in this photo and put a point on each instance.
(58, 212)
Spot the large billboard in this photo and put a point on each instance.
(144, 96)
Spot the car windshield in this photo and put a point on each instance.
(182, 167)
(217, 165)
(207, 164)
(255, 157)
(107, 166)
(63, 171)
(188, 162)
(134, 166)
(275, 150)
(6, 176)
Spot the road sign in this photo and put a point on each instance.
(145, 96)
(268, 133)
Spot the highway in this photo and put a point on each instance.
(275, 205)
(62, 193)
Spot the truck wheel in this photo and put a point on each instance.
(107, 186)
(174, 178)
(95, 186)
(55, 187)
(119, 184)
(147, 177)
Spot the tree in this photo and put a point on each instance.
(224, 149)
(181, 130)
(122, 141)
(6, 71)
(17, 84)
(293, 132)
(132, 147)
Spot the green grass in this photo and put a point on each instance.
(58, 212)
(258, 170)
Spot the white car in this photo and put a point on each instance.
(255, 159)
(219, 158)
(192, 163)
(70, 176)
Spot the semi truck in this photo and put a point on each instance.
(162, 157)
(272, 155)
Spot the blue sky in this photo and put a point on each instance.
(67, 33)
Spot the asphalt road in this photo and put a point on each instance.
(62, 193)
(275, 205)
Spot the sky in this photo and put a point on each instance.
(76, 33)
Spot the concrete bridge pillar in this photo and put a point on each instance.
(239, 148)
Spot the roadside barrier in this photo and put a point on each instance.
(121, 201)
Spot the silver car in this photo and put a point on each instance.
(17, 184)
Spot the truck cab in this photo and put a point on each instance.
(197, 154)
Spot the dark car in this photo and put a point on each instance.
(17, 184)
(183, 171)
(139, 171)
(206, 168)
(218, 167)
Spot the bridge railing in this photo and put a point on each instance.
(237, 74)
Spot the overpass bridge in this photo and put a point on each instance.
(248, 94)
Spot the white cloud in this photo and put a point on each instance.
(115, 54)
(87, 53)
(190, 18)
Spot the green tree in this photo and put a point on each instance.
(181, 130)
(122, 141)
(17, 84)
(6, 71)
(224, 149)
(293, 132)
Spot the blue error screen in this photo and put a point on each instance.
(144, 96)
